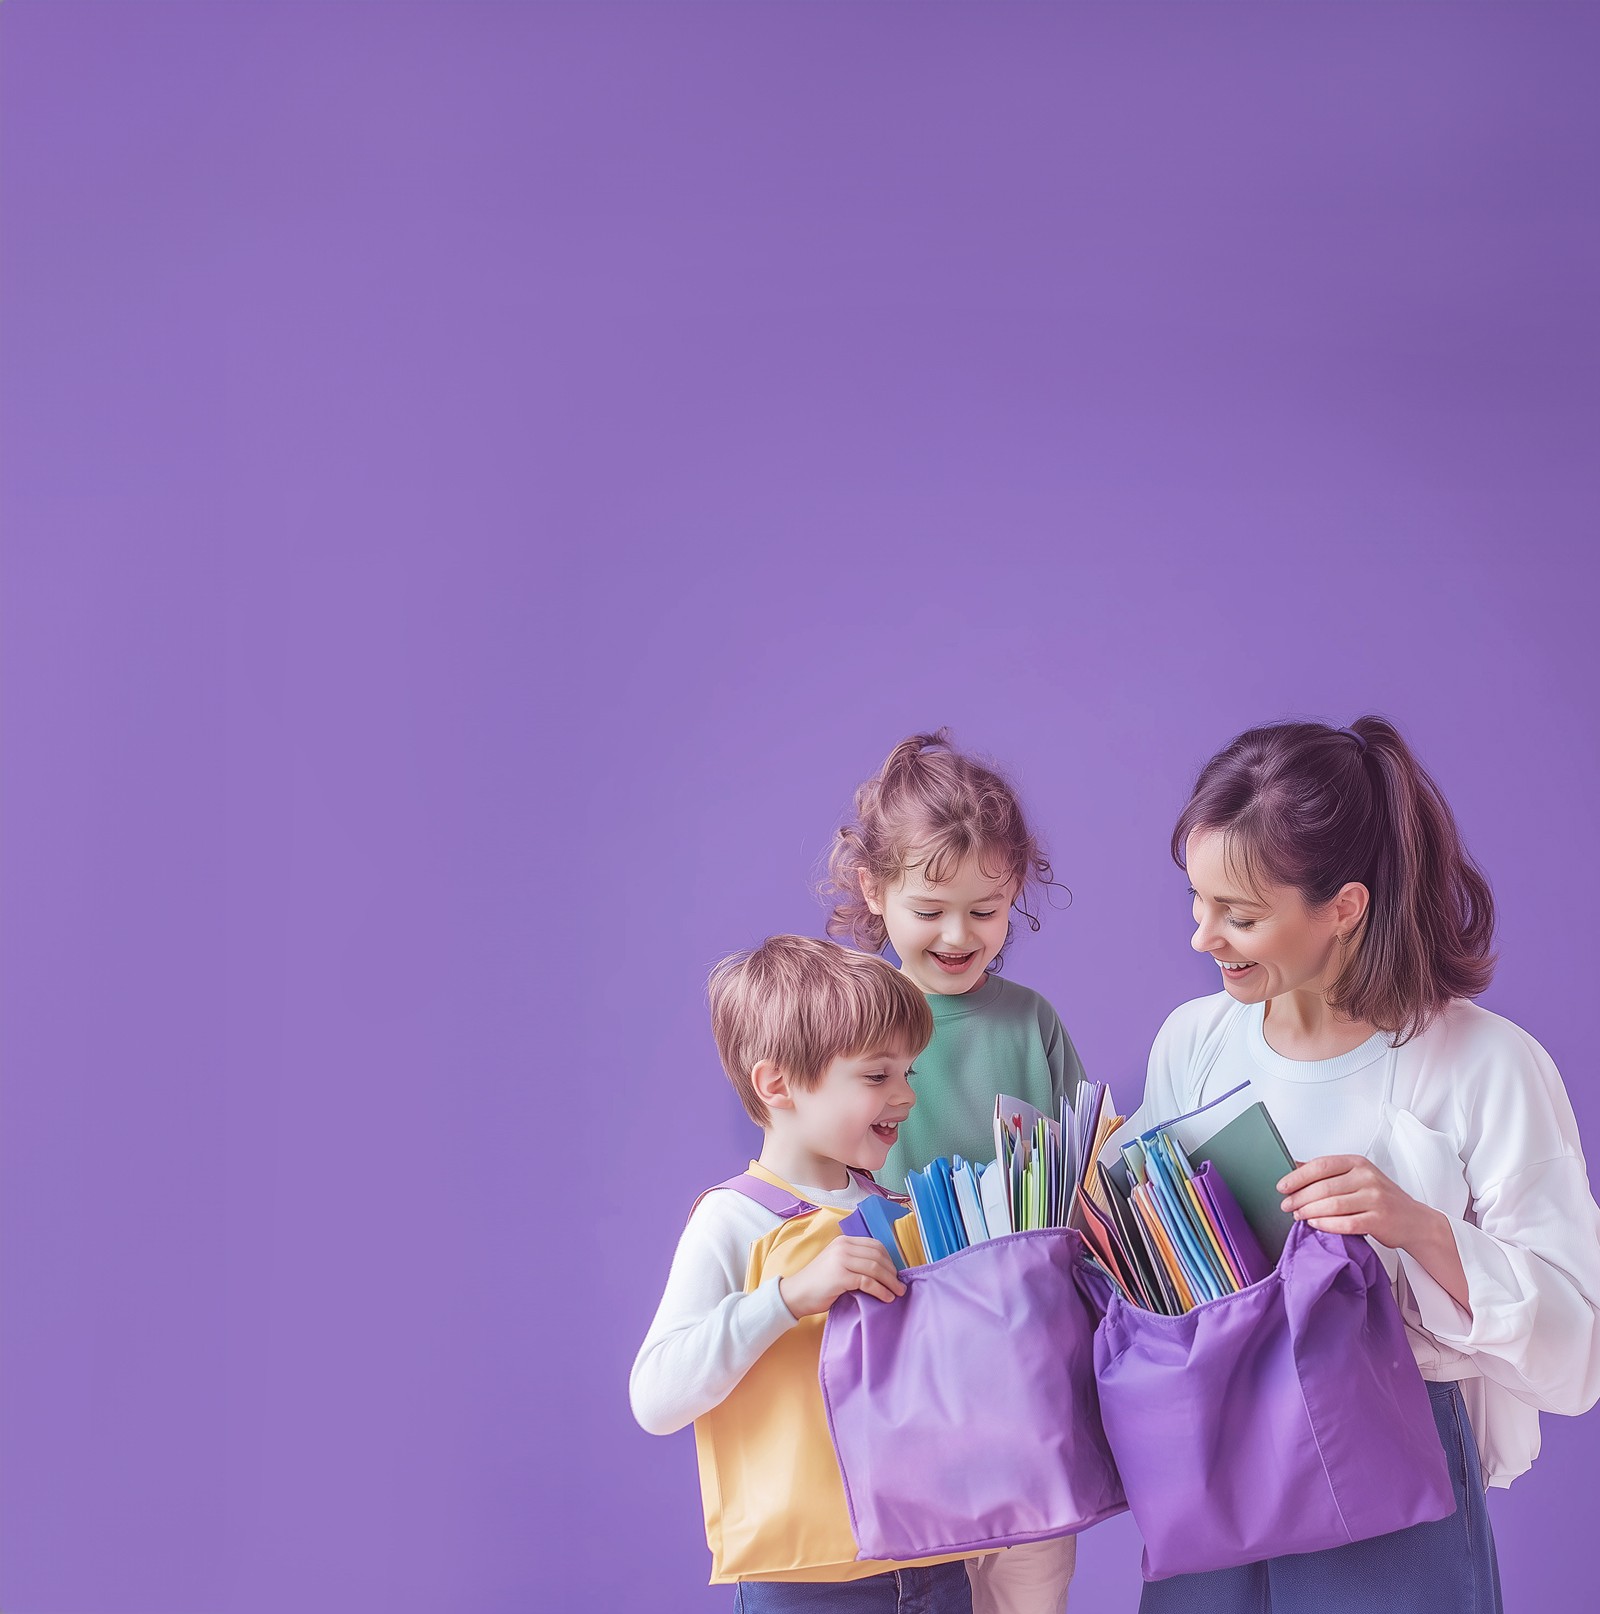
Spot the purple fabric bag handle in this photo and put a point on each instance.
(964, 1414)
(1289, 1417)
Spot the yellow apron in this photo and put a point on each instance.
(774, 1500)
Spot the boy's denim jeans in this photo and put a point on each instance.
(938, 1589)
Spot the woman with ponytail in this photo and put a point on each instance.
(1351, 931)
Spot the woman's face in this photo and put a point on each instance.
(1265, 940)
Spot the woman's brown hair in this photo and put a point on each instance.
(1315, 807)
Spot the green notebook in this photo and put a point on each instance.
(1253, 1160)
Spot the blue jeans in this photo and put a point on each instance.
(938, 1589)
(1447, 1565)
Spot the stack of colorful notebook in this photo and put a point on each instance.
(1183, 1213)
(1176, 1226)
(1032, 1182)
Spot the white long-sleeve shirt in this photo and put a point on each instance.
(708, 1333)
(1470, 1117)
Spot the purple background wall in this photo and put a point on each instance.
(482, 484)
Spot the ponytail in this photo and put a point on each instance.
(1430, 921)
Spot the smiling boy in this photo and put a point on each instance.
(818, 1042)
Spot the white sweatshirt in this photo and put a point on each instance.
(1471, 1118)
(708, 1333)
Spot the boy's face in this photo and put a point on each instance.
(853, 1115)
(947, 935)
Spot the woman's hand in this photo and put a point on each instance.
(1346, 1193)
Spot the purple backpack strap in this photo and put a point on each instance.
(780, 1201)
(864, 1179)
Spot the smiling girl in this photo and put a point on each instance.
(936, 857)
(1350, 930)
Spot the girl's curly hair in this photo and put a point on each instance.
(929, 807)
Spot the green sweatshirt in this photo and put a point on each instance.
(997, 1038)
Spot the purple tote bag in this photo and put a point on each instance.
(963, 1414)
(1289, 1417)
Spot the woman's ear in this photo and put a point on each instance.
(1350, 906)
(771, 1085)
(869, 892)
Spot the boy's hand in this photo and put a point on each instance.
(847, 1263)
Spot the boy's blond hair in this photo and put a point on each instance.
(802, 1003)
